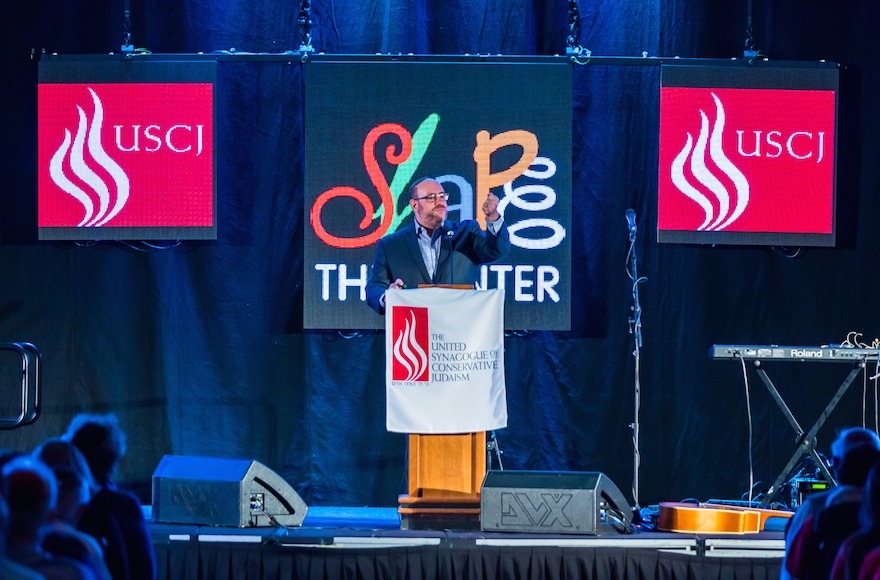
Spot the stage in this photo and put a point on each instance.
(365, 543)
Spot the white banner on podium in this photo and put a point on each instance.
(444, 361)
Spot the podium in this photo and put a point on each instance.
(444, 475)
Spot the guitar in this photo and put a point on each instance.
(695, 518)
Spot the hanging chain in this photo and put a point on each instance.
(305, 28)
(127, 46)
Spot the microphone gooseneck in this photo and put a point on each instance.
(449, 235)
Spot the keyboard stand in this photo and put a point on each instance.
(806, 442)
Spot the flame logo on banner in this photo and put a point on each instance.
(409, 353)
(88, 135)
(697, 155)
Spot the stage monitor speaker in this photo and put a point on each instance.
(552, 502)
(223, 492)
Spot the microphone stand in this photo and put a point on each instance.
(635, 328)
(493, 449)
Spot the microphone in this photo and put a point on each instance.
(631, 221)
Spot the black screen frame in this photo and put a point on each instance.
(763, 75)
(97, 69)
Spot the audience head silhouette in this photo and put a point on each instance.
(56, 452)
(31, 492)
(849, 438)
(101, 441)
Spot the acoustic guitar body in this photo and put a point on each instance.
(714, 519)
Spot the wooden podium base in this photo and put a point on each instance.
(418, 513)
(445, 474)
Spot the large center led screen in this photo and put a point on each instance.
(747, 155)
(374, 127)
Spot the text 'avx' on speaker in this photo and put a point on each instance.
(223, 492)
(556, 502)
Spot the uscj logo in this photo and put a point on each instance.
(411, 349)
(729, 203)
(101, 200)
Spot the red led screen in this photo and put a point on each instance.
(746, 165)
(126, 159)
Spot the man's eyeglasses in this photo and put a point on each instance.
(433, 197)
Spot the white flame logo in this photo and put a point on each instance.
(408, 352)
(701, 173)
(90, 136)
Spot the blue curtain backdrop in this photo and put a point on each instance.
(200, 350)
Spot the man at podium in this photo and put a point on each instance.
(434, 250)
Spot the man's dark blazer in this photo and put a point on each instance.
(399, 256)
